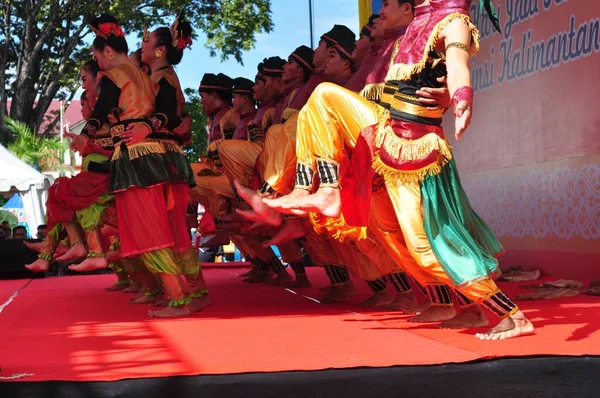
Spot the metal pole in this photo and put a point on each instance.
(310, 19)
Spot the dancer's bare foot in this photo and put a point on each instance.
(252, 198)
(113, 256)
(291, 230)
(76, 252)
(260, 277)
(39, 265)
(349, 288)
(136, 296)
(379, 299)
(117, 287)
(405, 302)
(301, 282)
(435, 313)
(424, 306)
(326, 201)
(468, 318)
(278, 204)
(170, 312)
(35, 246)
(143, 299)
(510, 327)
(160, 303)
(132, 289)
(249, 274)
(281, 279)
(200, 303)
(90, 264)
(338, 294)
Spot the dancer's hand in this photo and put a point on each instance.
(184, 127)
(78, 142)
(135, 133)
(435, 96)
(462, 114)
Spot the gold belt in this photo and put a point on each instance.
(411, 109)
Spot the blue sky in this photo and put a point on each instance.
(291, 30)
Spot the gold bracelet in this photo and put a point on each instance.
(457, 45)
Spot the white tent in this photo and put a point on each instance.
(17, 176)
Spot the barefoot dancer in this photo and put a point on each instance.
(162, 49)
(408, 148)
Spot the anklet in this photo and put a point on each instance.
(153, 293)
(124, 282)
(96, 255)
(199, 293)
(45, 256)
(179, 303)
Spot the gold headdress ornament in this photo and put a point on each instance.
(174, 31)
(145, 35)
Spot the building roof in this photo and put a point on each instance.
(71, 116)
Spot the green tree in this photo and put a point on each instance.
(197, 147)
(43, 43)
(40, 152)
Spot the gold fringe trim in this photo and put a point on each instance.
(138, 150)
(405, 71)
(373, 92)
(337, 228)
(288, 113)
(172, 146)
(224, 120)
(267, 119)
(410, 150)
(408, 176)
(213, 146)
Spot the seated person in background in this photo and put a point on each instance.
(19, 232)
(41, 231)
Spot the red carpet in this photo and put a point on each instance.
(70, 329)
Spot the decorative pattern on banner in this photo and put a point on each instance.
(564, 203)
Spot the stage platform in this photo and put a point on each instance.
(67, 337)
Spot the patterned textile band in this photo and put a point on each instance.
(328, 173)
(378, 285)
(500, 305)
(338, 274)
(304, 176)
(439, 295)
(400, 282)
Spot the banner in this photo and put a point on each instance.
(530, 160)
(366, 8)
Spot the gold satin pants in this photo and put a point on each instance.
(332, 118)
(239, 159)
(277, 162)
(212, 192)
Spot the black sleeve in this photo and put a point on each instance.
(107, 101)
(165, 107)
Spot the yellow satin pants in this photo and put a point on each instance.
(331, 120)
(277, 162)
(212, 192)
(239, 159)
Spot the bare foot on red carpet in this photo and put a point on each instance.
(35, 246)
(248, 274)
(291, 230)
(510, 327)
(90, 264)
(468, 318)
(349, 286)
(326, 201)
(260, 277)
(435, 313)
(200, 303)
(170, 312)
(338, 294)
(132, 289)
(301, 282)
(39, 265)
(116, 287)
(379, 299)
(60, 250)
(74, 253)
(281, 279)
(405, 302)
(160, 303)
(424, 306)
(143, 299)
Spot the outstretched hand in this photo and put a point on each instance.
(78, 142)
(462, 120)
